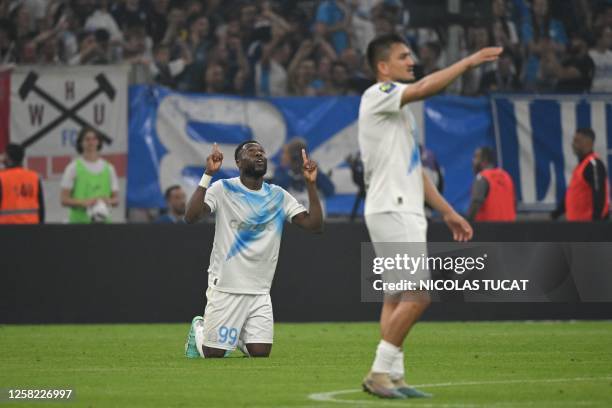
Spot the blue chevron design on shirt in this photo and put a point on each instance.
(265, 209)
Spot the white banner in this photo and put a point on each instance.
(49, 105)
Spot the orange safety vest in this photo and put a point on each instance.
(499, 204)
(19, 203)
(579, 196)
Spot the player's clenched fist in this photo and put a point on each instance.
(487, 54)
(309, 168)
(214, 160)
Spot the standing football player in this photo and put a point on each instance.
(249, 216)
(396, 189)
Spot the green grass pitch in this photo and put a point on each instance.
(545, 364)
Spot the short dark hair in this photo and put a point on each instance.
(81, 136)
(487, 154)
(15, 153)
(379, 47)
(241, 145)
(588, 132)
(169, 190)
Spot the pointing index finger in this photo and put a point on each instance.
(304, 157)
(215, 148)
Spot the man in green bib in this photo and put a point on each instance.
(89, 183)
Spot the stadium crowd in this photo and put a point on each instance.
(309, 47)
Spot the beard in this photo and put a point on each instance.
(252, 171)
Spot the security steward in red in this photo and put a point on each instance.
(21, 194)
(587, 197)
(493, 197)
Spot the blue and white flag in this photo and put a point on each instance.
(534, 141)
(171, 134)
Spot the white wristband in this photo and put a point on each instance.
(205, 180)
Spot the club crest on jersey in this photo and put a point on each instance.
(387, 87)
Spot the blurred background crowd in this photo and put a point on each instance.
(310, 47)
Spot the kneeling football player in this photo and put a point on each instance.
(249, 217)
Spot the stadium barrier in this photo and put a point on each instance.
(156, 273)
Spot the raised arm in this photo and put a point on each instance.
(196, 207)
(439, 80)
(313, 219)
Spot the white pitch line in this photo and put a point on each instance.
(331, 395)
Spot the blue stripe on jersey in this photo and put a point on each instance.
(266, 209)
(415, 158)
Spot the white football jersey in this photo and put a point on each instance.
(248, 229)
(390, 152)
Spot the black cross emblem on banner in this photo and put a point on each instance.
(29, 85)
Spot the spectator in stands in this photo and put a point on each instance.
(138, 47)
(270, 70)
(89, 183)
(157, 21)
(503, 28)
(127, 13)
(332, 22)
(493, 197)
(361, 30)
(504, 78)
(21, 193)
(36, 10)
(339, 81)
(94, 48)
(165, 71)
(214, 79)
(288, 174)
(303, 79)
(477, 38)
(176, 29)
(429, 55)
(382, 26)
(176, 202)
(360, 78)
(197, 46)
(324, 67)
(267, 38)
(573, 74)
(246, 24)
(7, 42)
(68, 39)
(601, 55)
(24, 24)
(237, 66)
(193, 8)
(587, 196)
(102, 19)
(541, 35)
(603, 16)
(575, 14)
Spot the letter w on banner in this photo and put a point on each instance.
(534, 141)
(48, 108)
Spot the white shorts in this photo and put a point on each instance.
(229, 317)
(394, 233)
